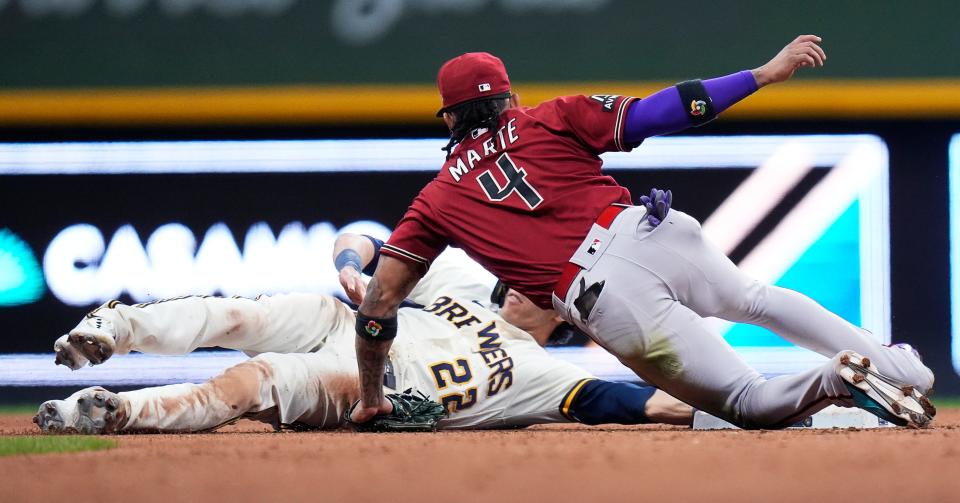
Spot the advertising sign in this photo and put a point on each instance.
(85, 223)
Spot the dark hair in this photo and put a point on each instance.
(567, 335)
(471, 115)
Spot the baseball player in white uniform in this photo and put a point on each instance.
(486, 372)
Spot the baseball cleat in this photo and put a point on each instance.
(887, 398)
(88, 411)
(925, 375)
(91, 341)
(906, 347)
(67, 355)
(96, 347)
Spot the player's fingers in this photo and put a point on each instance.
(661, 209)
(808, 38)
(353, 298)
(810, 51)
(803, 60)
(820, 51)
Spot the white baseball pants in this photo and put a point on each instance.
(284, 323)
(659, 284)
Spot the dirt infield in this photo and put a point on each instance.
(566, 463)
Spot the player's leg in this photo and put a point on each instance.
(670, 346)
(639, 317)
(705, 280)
(282, 323)
(283, 390)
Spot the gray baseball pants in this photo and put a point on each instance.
(658, 285)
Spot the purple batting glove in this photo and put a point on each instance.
(658, 205)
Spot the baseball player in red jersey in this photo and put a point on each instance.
(522, 193)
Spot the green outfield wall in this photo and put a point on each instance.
(308, 53)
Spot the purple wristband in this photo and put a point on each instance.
(662, 113)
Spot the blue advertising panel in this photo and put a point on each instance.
(85, 223)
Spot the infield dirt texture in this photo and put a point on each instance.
(554, 463)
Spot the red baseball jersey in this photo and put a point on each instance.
(520, 200)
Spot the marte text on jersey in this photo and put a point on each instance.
(467, 161)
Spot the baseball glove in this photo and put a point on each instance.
(410, 413)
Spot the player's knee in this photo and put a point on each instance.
(744, 302)
(242, 386)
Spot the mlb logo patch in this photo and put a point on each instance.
(484, 87)
(594, 246)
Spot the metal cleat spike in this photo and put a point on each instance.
(928, 407)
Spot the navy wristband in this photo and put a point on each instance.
(372, 266)
(376, 329)
(346, 258)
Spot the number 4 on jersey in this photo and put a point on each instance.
(516, 182)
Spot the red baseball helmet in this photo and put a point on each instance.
(471, 76)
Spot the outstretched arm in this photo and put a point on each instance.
(376, 328)
(354, 254)
(602, 402)
(669, 110)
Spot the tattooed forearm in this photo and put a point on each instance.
(392, 282)
(374, 303)
(371, 359)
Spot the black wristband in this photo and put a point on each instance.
(346, 258)
(696, 102)
(376, 329)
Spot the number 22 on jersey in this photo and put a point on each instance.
(445, 373)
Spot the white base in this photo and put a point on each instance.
(830, 417)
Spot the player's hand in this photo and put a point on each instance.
(658, 205)
(363, 412)
(353, 284)
(803, 51)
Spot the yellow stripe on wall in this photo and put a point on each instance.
(416, 104)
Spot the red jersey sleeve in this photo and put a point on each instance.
(597, 121)
(416, 239)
